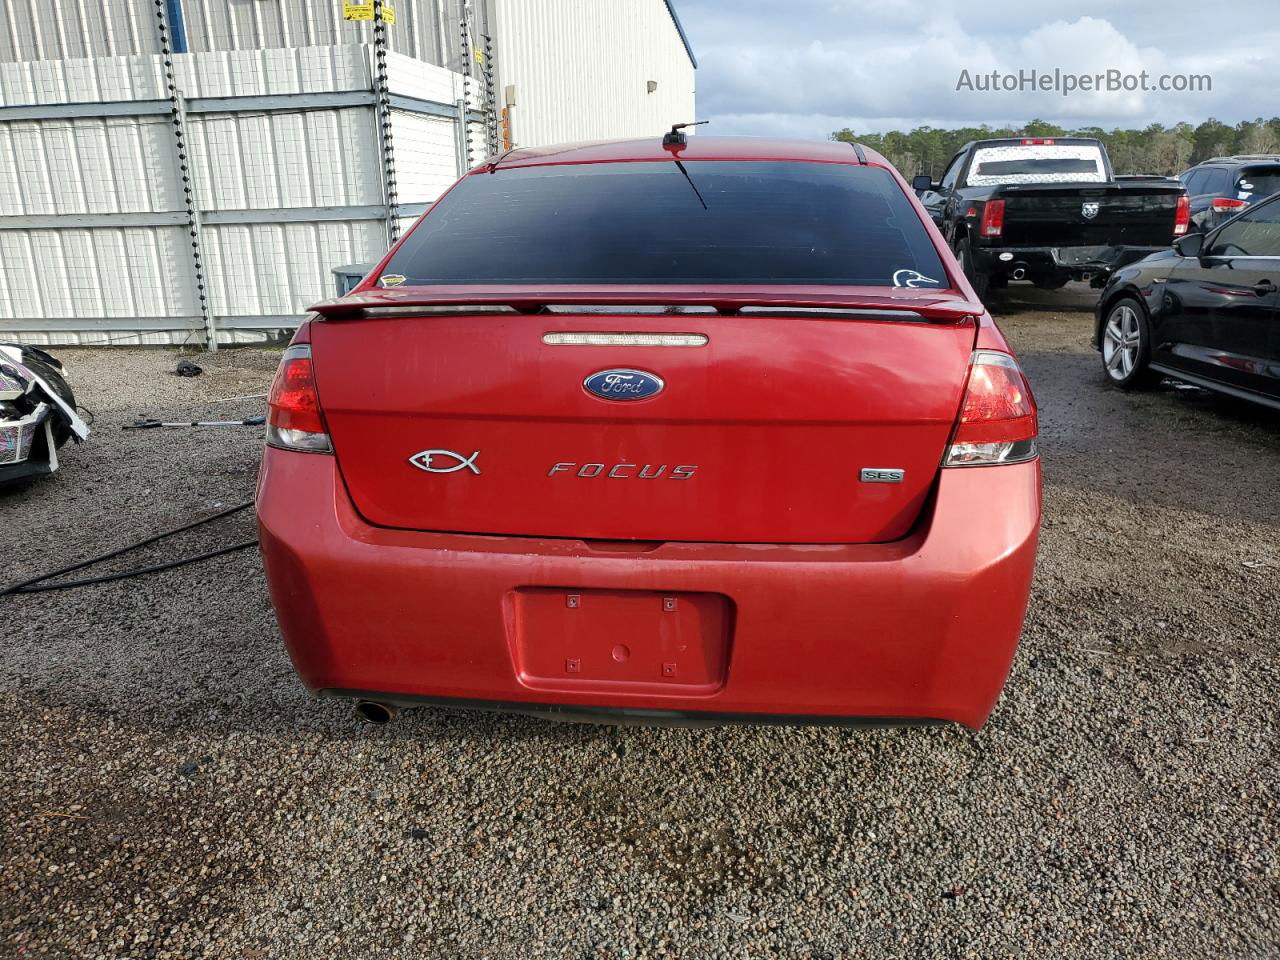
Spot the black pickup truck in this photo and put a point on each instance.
(1048, 210)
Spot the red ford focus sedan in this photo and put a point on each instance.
(659, 430)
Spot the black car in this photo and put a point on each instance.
(1048, 210)
(1222, 187)
(1206, 312)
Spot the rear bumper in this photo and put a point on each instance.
(1078, 262)
(920, 629)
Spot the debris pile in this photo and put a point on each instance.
(37, 412)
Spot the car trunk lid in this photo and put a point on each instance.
(467, 411)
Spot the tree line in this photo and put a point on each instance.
(1156, 149)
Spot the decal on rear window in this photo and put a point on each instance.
(913, 278)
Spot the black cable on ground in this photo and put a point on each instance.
(107, 578)
(37, 585)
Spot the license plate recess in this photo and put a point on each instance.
(636, 641)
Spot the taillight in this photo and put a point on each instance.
(294, 421)
(1036, 141)
(998, 416)
(1227, 204)
(992, 219)
(1182, 218)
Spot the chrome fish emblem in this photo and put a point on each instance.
(427, 460)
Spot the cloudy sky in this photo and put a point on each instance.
(807, 67)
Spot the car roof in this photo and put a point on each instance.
(1022, 141)
(698, 148)
(1242, 160)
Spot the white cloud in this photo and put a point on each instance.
(812, 66)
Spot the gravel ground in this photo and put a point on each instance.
(172, 791)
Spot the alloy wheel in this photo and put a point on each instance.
(1120, 342)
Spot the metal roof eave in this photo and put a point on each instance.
(675, 18)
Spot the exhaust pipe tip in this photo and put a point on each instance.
(371, 711)
(1019, 273)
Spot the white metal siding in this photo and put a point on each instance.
(75, 283)
(223, 74)
(245, 24)
(89, 285)
(271, 161)
(413, 78)
(62, 29)
(580, 69)
(426, 160)
(278, 270)
(238, 73)
(87, 165)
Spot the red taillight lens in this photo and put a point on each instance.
(1036, 141)
(1228, 205)
(998, 417)
(1182, 218)
(992, 219)
(294, 420)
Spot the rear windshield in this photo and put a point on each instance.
(645, 222)
(1258, 182)
(1037, 163)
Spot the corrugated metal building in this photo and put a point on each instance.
(190, 171)
(592, 69)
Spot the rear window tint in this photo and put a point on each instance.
(1258, 182)
(644, 222)
(1216, 180)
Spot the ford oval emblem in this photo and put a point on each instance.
(623, 384)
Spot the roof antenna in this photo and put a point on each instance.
(677, 137)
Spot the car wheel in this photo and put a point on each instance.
(980, 282)
(1126, 345)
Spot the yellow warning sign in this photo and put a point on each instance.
(478, 54)
(364, 11)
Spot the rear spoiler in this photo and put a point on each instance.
(936, 305)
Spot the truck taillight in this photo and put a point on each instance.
(992, 219)
(294, 420)
(1182, 218)
(998, 416)
(1228, 205)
